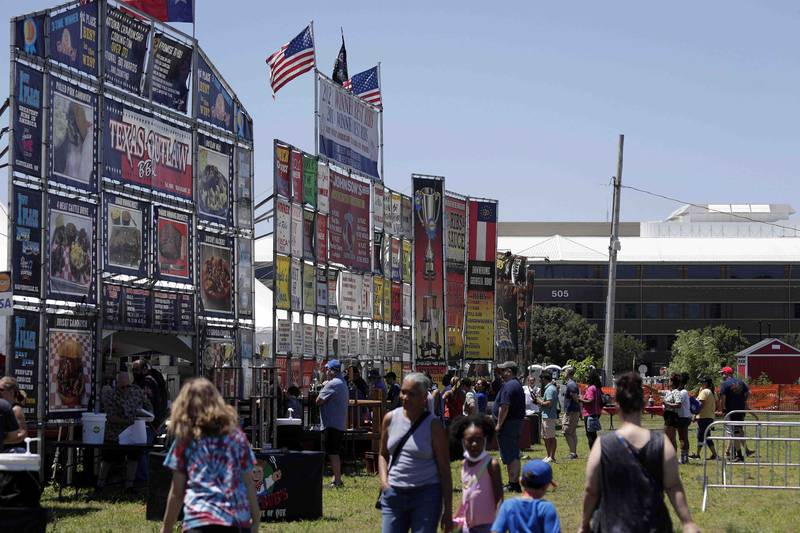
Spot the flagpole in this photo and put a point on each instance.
(380, 126)
(194, 18)
(316, 95)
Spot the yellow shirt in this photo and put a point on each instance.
(706, 397)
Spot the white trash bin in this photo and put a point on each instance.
(94, 427)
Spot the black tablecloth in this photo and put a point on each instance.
(298, 493)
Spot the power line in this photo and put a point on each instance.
(707, 208)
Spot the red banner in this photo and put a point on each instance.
(348, 222)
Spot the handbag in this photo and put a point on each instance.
(398, 447)
(593, 424)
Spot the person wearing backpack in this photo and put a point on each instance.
(705, 416)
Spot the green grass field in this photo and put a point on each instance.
(351, 509)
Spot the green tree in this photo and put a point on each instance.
(582, 368)
(792, 339)
(700, 352)
(627, 351)
(558, 335)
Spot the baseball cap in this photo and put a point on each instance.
(508, 364)
(726, 370)
(537, 474)
(333, 364)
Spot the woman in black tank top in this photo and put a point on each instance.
(629, 472)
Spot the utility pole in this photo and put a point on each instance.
(613, 248)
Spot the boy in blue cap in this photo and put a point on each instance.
(530, 513)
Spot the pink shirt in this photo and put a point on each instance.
(592, 408)
(477, 496)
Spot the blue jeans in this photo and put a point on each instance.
(141, 468)
(417, 508)
(508, 440)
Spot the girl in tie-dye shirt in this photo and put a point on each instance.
(212, 460)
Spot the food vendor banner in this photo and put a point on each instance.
(29, 35)
(126, 308)
(407, 314)
(126, 238)
(333, 341)
(246, 339)
(213, 103)
(26, 252)
(395, 251)
(456, 215)
(480, 306)
(297, 338)
(365, 308)
(377, 252)
(174, 241)
(310, 180)
(348, 128)
(28, 102)
(322, 292)
(333, 286)
(395, 219)
(125, 49)
(73, 37)
(284, 336)
(455, 315)
(406, 261)
(321, 340)
(244, 123)
(296, 167)
(73, 134)
(429, 301)
(348, 222)
(350, 288)
(282, 274)
(244, 279)
(309, 288)
(296, 285)
(172, 63)
(323, 188)
(282, 171)
(24, 361)
(218, 351)
(397, 304)
(141, 149)
(377, 206)
(406, 217)
(309, 340)
(71, 250)
(386, 256)
(244, 188)
(173, 311)
(215, 267)
(505, 302)
(387, 301)
(296, 241)
(377, 298)
(309, 235)
(321, 231)
(283, 226)
(214, 163)
(70, 365)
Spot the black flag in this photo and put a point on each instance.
(340, 67)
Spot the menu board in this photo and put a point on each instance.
(173, 311)
(125, 50)
(172, 63)
(26, 254)
(214, 103)
(24, 361)
(28, 103)
(70, 360)
(73, 135)
(126, 307)
(125, 237)
(216, 273)
(245, 276)
(141, 149)
(214, 180)
(173, 243)
(73, 37)
(71, 250)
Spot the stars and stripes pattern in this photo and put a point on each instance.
(292, 60)
(365, 85)
(482, 230)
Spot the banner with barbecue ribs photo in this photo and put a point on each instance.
(71, 250)
(173, 242)
(70, 365)
(215, 267)
(214, 197)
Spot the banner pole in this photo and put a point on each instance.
(316, 95)
(380, 124)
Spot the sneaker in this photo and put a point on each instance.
(737, 459)
(547, 459)
(694, 456)
(512, 487)
(713, 457)
(336, 484)
(750, 453)
(573, 456)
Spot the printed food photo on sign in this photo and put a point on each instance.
(214, 192)
(71, 248)
(70, 368)
(173, 244)
(125, 226)
(73, 135)
(216, 278)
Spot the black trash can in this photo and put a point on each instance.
(535, 427)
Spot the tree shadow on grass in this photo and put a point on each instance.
(54, 514)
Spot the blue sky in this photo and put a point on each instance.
(523, 101)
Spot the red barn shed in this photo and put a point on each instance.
(773, 357)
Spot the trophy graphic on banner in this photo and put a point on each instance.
(429, 326)
(427, 204)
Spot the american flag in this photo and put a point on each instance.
(482, 231)
(365, 86)
(293, 59)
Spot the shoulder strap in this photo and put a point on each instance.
(402, 442)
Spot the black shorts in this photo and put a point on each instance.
(333, 441)
(671, 419)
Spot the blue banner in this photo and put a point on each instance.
(172, 63)
(214, 192)
(29, 35)
(28, 94)
(73, 38)
(214, 103)
(26, 255)
(24, 364)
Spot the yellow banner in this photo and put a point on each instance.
(377, 298)
(282, 268)
(479, 342)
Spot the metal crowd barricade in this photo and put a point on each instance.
(773, 461)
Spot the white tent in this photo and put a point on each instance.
(263, 314)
